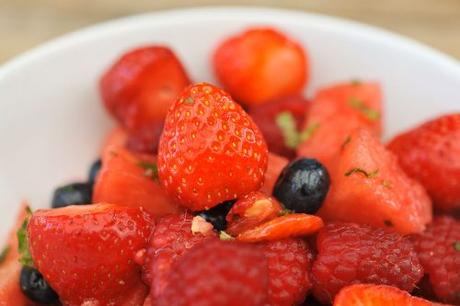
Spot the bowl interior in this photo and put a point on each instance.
(52, 122)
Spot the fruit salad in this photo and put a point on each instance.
(245, 192)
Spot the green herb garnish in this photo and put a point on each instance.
(362, 171)
(4, 253)
(23, 242)
(287, 124)
(456, 246)
(347, 141)
(150, 170)
(370, 113)
(285, 212)
(308, 132)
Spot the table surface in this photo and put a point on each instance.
(27, 23)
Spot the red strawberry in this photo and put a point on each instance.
(87, 252)
(131, 180)
(139, 87)
(10, 268)
(377, 295)
(171, 239)
(279, 122)
(334, 113)
(261, 65)
(117, 137)
(368, 186)
(438, 249)
(210, 150)
(218, 273)
(350, 253)
(275, 165)
(291, 225)
(430, 153)
(289, 263)
(250, 211)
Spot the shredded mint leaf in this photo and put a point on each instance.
(308, 132)
(150, 170)
(285, 212)
(347, 141)
(23, 242)
(370, 113)
(223, 235)
(4, 253)
(362, 171)
(456, 246)
(286, 122)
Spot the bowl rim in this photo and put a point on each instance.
(181, 15)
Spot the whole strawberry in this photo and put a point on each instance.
(438, 249)
(86, 253)
(430, 154)
(172, 238)
(289, 264)
(218, 273)
(210, 150)
(350, 253)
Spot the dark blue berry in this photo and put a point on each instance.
(216, 215)
(302, 186)
(93, 171)
(35, 287)
(72, 194)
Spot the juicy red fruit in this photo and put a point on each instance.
(266, 117)
(430, 154)
(350, 253)
(210, 150)
(138, 90)
(87, 252)
(289, 264)
(438, 249)
(170, 240)
(218, 273)
(261, 65)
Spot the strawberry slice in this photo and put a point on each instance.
(377, 295)
(287, 226)
(87, 252)
(131, 180)
(138, 89)
(250, 211)
(368, 186)
(334, 113)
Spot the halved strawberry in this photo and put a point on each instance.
(334, 113)
(131, 180)
(87, 252)
(279, 122)
(287, 226)
(250, 211)
(275, 165)
(368, 186)
(138, 89)
(261, 65)
(377, 295)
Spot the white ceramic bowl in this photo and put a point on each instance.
(52, 123)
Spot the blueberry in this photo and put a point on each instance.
(72, 194)
(35, 287)
(94, 170)
(302, 186)
(216, 215)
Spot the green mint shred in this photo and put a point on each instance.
(347, 141)
(358, 104)
(456, 246)
(292, 137)
(362, 171)
(4, 253)
(23, 242)
(285, 212)
(150, 170)
(223, 235)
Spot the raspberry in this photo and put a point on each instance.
(351, 253)
(218, 273)
(438, 249)
(171, 238)
(289, 262)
